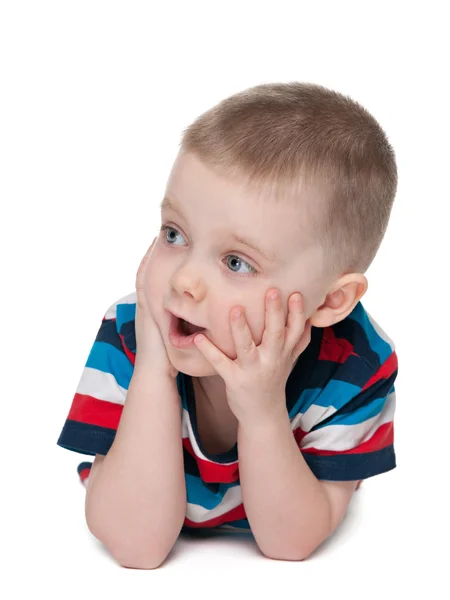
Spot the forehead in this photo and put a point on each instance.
(276, 218)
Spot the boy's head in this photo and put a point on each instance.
(303, 173)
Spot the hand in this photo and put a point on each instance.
(255, 381)
(150, 348)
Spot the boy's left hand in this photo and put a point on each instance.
(255, 381)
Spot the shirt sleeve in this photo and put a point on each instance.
(94, 415)
(347, 432)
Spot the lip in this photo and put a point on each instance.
(181, 342)
(180, 317)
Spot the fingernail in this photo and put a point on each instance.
(274, 296)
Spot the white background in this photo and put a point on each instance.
(94, 96)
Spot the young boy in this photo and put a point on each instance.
(269, 421)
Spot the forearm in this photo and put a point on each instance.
(287, 508)
(138, 503)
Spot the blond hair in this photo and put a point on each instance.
(283, 133)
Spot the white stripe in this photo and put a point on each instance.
(346, 437)
(101, 385)
(111, 313)
(312, 416)
(188, 432)
(231, 499)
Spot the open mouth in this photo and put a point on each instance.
(182, 333)
(186, 328)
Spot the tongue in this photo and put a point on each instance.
(190, 328)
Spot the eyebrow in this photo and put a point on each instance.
(167, 204)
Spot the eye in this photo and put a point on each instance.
(232, 258)
(167, 229)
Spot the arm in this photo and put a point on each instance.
(137, 503)
(289, 510)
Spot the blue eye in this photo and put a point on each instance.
(166, 229)
(229, 259)
(234, 258)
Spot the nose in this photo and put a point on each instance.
(187, 283)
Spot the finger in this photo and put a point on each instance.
(296, 320)
(242, 336)
(275, 322)
(304, 341)
(213, 355)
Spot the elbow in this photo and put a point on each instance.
(292, 556)
(137, 553)
(133, 556)
(292, 552)
(137, 561)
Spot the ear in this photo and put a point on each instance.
(340, 300)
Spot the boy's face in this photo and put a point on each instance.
(198, 270)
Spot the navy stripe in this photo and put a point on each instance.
(85, 438)
(354, 370)
(108, 334)
(84, 465)
(351, 467)
(353, 332)
(128, 332)
(301, 376)
(380, 389)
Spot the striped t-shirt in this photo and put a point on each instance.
(340, 398)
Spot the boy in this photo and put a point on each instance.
(283, 188)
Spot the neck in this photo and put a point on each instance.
(212, 390)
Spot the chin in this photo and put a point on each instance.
(191, 362)
(195, 367)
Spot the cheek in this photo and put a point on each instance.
(255, 320)
(255, 323)
(155, 285)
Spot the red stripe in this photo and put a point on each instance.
(383, 437)
(84, 473)
(87, 409)
(299, 434)
(212, 472)
(389, 366)
(130, 355)
(333, 348)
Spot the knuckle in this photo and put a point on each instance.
(279, 335)
(248, 347)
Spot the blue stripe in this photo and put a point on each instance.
(359, 415)
(124, 313)
(108, 359)
(307, 397)
(336, 394)
(376, 343)
(198, 493)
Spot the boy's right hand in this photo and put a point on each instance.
(150, 349)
